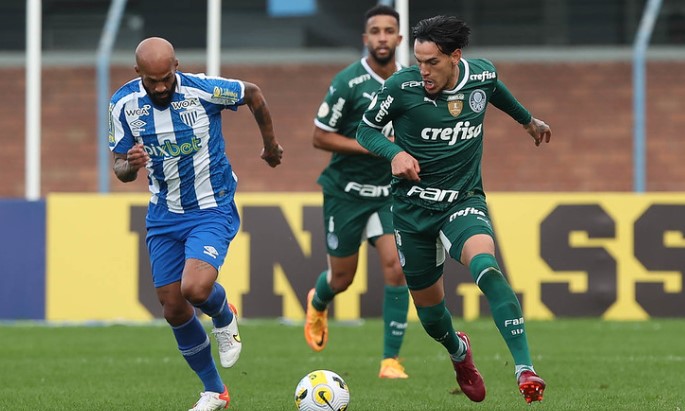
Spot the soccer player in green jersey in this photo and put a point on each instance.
(356, 192)
(437, 110)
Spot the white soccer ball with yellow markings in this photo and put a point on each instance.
(322, 390)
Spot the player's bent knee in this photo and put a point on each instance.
(341, 280)
(177, 314)
(195, 293)
(395, 277)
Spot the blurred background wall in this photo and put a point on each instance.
(568, 61)
(573, 237)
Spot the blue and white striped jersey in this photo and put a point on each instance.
(188, 167)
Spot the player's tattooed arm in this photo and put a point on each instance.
(272, 152)
(539, 130)
(126, 166)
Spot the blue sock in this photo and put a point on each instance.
(194, 345)
(216, 307)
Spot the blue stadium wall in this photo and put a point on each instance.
(82, 257)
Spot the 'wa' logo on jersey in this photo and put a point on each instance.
(138, 111)
(187, 103)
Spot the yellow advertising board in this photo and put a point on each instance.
(618, 256)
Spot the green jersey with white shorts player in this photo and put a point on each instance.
(443, 132)
(361, 176)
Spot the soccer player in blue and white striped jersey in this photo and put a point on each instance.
(170, 123)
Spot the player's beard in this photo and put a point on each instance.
(383, 60)
(162, 99)
(431, 96)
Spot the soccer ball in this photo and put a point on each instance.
(322, 390)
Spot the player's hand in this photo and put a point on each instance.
(539, 130)
(405, 166)
(272, 154)
(137, 157)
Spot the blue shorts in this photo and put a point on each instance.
(173, 238)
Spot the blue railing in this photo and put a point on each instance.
(644, 33)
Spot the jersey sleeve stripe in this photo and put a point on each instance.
(325, 127)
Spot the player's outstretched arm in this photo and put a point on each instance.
(539, 130)
(126, 166)
(336, 143)
(272, 152)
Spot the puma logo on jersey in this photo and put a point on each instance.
(369, 96)
(430, 100)
(463, 130)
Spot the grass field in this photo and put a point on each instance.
(588, 365)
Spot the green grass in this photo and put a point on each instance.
(588, 365)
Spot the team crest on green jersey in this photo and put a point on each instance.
(477, 100)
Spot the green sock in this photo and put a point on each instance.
(437, 322)
(505, 307)
(395, 306)
(324, 294)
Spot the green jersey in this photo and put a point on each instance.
(361, 176)
(444, 132)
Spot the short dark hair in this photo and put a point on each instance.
(447, 32)
(381, 10)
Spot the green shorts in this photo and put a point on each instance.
(348, 223)
(423, 235)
